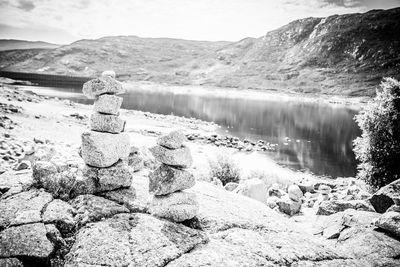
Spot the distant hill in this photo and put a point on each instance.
(340, 54)
(11, 44)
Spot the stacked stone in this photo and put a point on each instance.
(105, 148)
(168, 180)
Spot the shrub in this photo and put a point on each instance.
(378, 148)
(225, 169)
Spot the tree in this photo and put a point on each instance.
(378, 148)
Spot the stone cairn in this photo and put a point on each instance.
(105, 148)
(168, 180)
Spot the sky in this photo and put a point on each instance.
(65, 21)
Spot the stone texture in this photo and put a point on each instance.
(109, 73)
(91, 208)
(288, 206)
(27, 241)
(12, 182)
(231, 186)
(106, 123)
(104, 149)
(11, 262)
(61, 213)
(166, 179)
(295, 193)
(385, 197)
(274, 190)
(334, 206)
(272, 202)
(108, 104)
(135, 159)
(390, 223)
(254, 188)
(127, 198)
(177, 207)
(173, 140)
(101, 86)
(105, 179)
(180, 157)
(132, 240)
(23, 208)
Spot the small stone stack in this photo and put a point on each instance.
(168, 180)
(105, 148)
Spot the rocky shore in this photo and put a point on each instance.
(51, 215)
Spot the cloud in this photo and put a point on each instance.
(26, 5)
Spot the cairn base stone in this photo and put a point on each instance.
(108, 104)
(105, 179)
(104, 149)
(106, 123)
(177, 207)
(101, 86)
(173, 140)
(166, 179)
(180, 157)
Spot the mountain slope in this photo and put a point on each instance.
(11, 44)
(340, 54)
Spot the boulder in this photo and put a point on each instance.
(132, 240)
(105, 179)
(109, 73)
(12, 182)
(254, 188)
(27, 241)
(177, 207)
(108, 104)
(288, 206)
(11, 262)
(334, 206)
(104, 149)
(23, 208)
(295, 193)
(91, 208)
(101, 86)
(180, 157)
(231, 186)
(385, 197)
(173, 140)
(390, 223)
(106, 123)
(61, 213)
(166, 179)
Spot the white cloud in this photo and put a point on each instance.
(188, 19)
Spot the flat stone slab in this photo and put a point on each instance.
(108, 104)
(106, 123)
(104, 149)
(172, 140)
(101, 86)
(61, 213)
(23, 208)
(132, 240)
(180, 157)
(177, 207)
(166, 179)
(25, 241)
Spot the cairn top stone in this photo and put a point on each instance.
(101, 86)
(108, 73)
(172, 140)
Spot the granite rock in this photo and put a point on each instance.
(180, 157)
(173, 140)
(106, 123)
(101, 86)
(166, 179)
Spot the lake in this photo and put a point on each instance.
(311, 136)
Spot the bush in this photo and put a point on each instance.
(378, 148)
(225, 169)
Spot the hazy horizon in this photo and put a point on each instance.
(63, 22)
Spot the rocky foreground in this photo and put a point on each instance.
(48, 219)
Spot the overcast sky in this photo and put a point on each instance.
(65, 21)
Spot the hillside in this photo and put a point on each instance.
(10, 44)
(340, 54)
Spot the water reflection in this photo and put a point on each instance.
(320, 135)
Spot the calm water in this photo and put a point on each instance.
(320, 135)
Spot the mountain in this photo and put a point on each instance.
(11, 44)
(341, 54)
